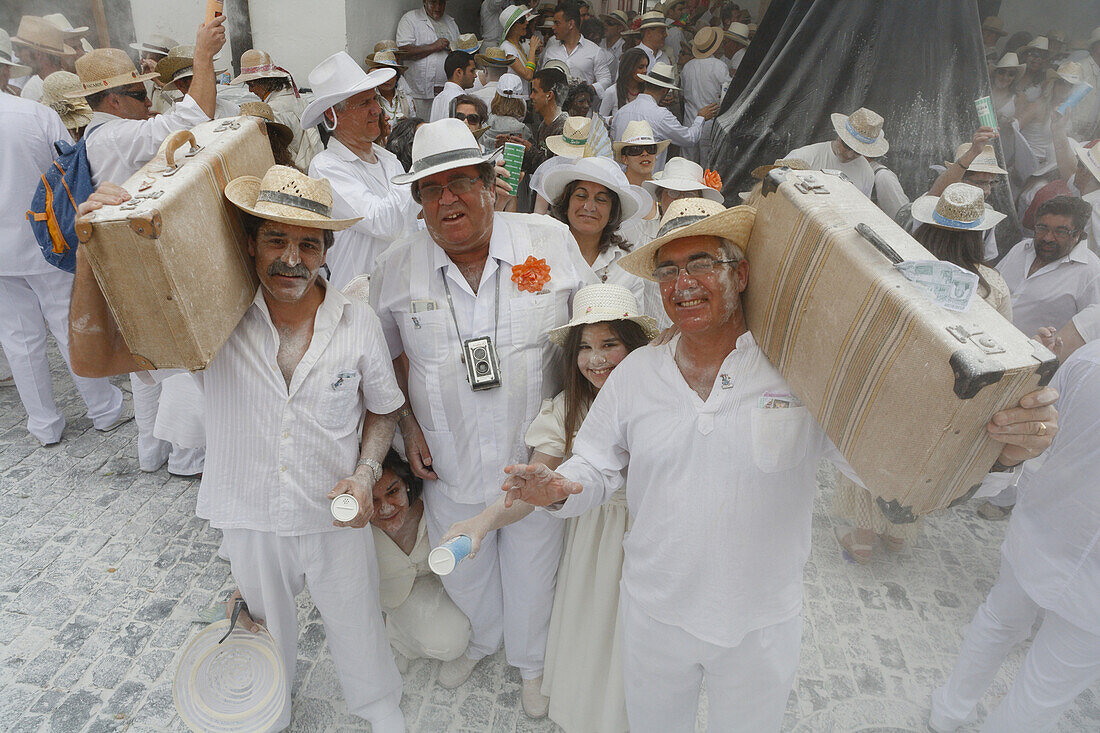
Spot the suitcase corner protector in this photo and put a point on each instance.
(972, 373)
(83, 228)
(146, 223)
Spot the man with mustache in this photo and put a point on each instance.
(284, 398)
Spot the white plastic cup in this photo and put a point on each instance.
(344, 508)
(443, 559)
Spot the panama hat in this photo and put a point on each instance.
(652, 19)
(681, 174)
(42, 35)
(795, 164)
(65, 26)
(178, 64)
(467, 43)
(106, 68)
(1089, 154)
(440, 146)
(1071, 72)
(257, 64)
(995, 25)
(961, 206)
(691, 218)
(74, 112)
(335, 79)
(573, 140)
(6, 56)
(385, 59)
(662, 75)
(603, 171)
(862, 132)
(495, 56)
(512, 15)
(707, 40)
(738, 32)
(156, 43)
(510, 86)
(601, 303)
(1039, 43)
(1009, 61)
(287, 195)
(985, 162)
(637, 132)
(263, 110)
(616, 17)
(386, 45)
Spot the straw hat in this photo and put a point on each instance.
(495, 56)
(385, 46)
(681, 174)
(6, 56)
(690, 218)
(65, 26)
(994, 24)
(596, 169)
(1071, 72)
(263, 110)
(440, 146)
(601, 303)
(652, 19)
(74, 113)
(334, 80)
(572, 141)
(106, 68)
(961, 206)
(178, 64)
(42, 35)
(512, 15)
(986, 162)
(862, 132)
(467, 42)
(795, 164)
(257, 64)
(385, 59)
(618, 17)
(510, 86)
(637, 132)
(738, 32)
(662, 75)
(669, 5)
(1009, 61)
(156, 43)
(287, 195)
(1089, 154)
(707, 40)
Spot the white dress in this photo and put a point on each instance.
(583, 675)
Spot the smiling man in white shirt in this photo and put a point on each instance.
(723, 459)
(585, 59)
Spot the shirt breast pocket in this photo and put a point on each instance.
(533, 315)
(779, 437)
(424, 335)
(338, 406)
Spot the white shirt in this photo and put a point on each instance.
(702, 81)
(733, 62)
(27, 136)
(1087, 323)
(117, 148)
(416, 29)
(890, 196)
(1055, 292)
(486, 93)
(491, 29)
(616, 51)
(586, 61)
(287, 110)
(363, 189)
(273, 453)
(441, 106)
(820, 156)
(1084, 118)
(472, 435)
(32, 90)
(721, 491)
(664, 123)
(1092, 229)
(655, 57)
(1053, 539)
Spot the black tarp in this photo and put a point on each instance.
(919, 64)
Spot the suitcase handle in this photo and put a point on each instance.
(880, 244)
(173, 143)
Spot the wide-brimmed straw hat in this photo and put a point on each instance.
(263, 110)
(573, 140)
(691, 218)
(637, 132)
(468, 43)
(42, 35)
(386, 45)
(961, 206)
(601, 303)
(662, 75)
(862, 132)
(994, 24)
(335, 79)
(106, 68)
(1089, 154)
(1009, 61)
(287, 195)
(738, 32)
(985, 162)
(257, 64)
(495, 56)
(74, 112)
(385, 59)
(440, 146)
(795, 164)
(597, 169)
(155, 43)
(681, 174)
(512, 15)
(1071, 72)
(71, 33)
(652, 19)
(6, 56)
(707, 40)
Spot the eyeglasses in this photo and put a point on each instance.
(632, 150)
(694, 268)
(471, 119)
(140, 95)
(433, 191)
(1060, 233)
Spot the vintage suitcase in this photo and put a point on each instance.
(902, 385)
(172, 261)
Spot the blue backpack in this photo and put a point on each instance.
(65, 185)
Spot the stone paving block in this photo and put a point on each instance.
(110, 670)
(15, 701)
(75, 711)
(42, 667)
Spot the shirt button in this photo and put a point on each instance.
(282, 469)
(286, 433)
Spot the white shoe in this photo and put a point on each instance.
(124, 417)
(535, 704)
(453, 673)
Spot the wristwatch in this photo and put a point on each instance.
(374, 466)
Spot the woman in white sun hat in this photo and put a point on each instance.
(583, 674)
(514, 19)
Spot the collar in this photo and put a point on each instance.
(98, 118)
(450, 83)
(344, 153)
(501, 247)
(1078, 254)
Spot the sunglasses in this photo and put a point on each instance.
(632, 150)
(140, 96)
(470, 119)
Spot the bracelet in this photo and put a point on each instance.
(530, 65)
(374, 466)
(403, 413)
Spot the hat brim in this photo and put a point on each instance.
(556, 180)
(1082, 154)
(734, 224)
(617, 147)
(242, 192)
(558, 146)
(313, 112)
(188, 73)
(872, 150)
(66, 49)
(488, 61)
(114, 82)
(431, 170)
(925, 206)
(683, 184)
(245, 78)
(148, 49)
(559, 334)
(399, 68)
(743, 40)
(524, 16)
(999, 31)
(657, 82)
(706, 53)
(17, 70)
(979, 168)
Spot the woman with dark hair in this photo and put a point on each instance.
(400, 141)
(632, 63)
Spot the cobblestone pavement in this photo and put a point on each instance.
(106, 573)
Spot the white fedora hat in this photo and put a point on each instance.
(738, 32)
(601, 303)
(961, 206)
(1071, 72)
(1009, 61)
(440, 146)
(862, 132)
(156, 43)
(603, 171)
(663, 75)
(985, 162)
(681, 174)
(334, 80)
(637, 132)
(6, 56)
(287, 195)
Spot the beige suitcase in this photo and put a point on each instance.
(902, 385)
(173, 261)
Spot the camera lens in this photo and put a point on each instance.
(480, 352)
(482, 368)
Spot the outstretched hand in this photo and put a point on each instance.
(537, 485)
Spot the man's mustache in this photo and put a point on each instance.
(278, 267)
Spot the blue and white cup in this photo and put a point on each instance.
(1074, 97)
(443, 559)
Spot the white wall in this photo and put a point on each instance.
(299, 34)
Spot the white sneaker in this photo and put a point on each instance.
(124, 417)
(453, 673)
(535, 704)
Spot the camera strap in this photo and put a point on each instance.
(454, 318)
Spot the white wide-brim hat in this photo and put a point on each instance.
(681, 174)
(984, 162)
(960, 206)
(601, 303)
(440, 146)
(662, 75)
(603, 171)
(155, 43)
(287, 195)
(862, 132)
(1089, 154)
(335, 79)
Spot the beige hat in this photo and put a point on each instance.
(601, 303)
(707, 40)
(257, 64)
(385, 59)
(74, 112)
(652, 19)
(155, 43)
(264, 112)
(690, 218)
(106, 68)
(637, 132)
(681, 174)
(178, 64)
(1039, 43)
(795, 164)
(440, 146)
(42, 35)
(961, 206)
(662, 75)
(1089, 154)
(286, 194)
(1009, 61)
(1071, 72)
(573, 140)
(994, 24)
(467, 42)
(6, 56)
(985, 162)
(738, 32)
(616, 16)
(65, 26)
(495, 56)
(862, 132)
(385, 46)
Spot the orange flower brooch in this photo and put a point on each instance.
(712, 179)
(532, 275)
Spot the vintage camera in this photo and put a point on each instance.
(482, 367)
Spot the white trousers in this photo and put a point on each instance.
(180, 421)
(664, 667)
(428, 624)
(28, 305)
(152, 451)
(342, 574)
(507, 591)
(1063, 660)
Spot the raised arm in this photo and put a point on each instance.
(208, 41)
(955, 171)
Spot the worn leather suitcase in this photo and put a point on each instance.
(173, 261)
(902, 386)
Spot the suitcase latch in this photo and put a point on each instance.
(807, 183)
(228, 125)
(138, 199)
(983, 341)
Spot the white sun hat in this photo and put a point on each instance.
(335, 79)
(440, 146)
(862, 132)
(7, 57)
(603, 171)
(600, 303)
(637, 132)
(512, 15)
(985, 162)
(662, 75)
(681, 174)
(961, 206)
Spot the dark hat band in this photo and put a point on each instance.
(287, 199)
(449, 156)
